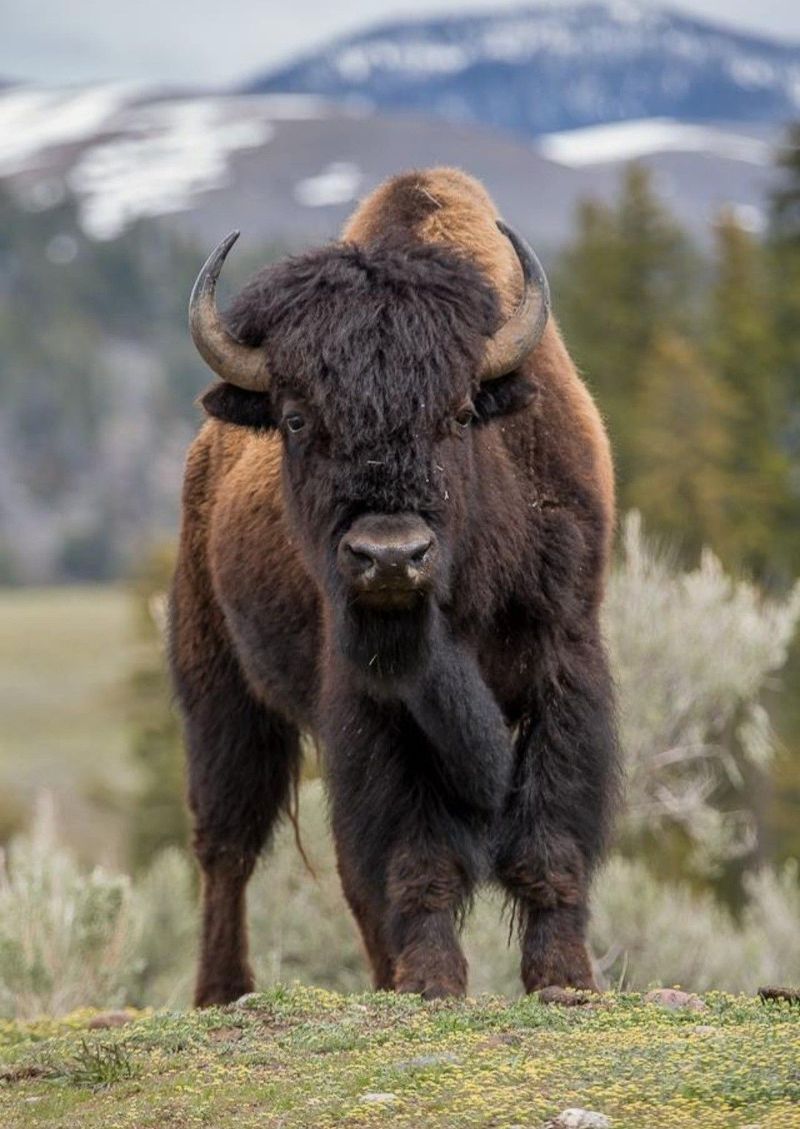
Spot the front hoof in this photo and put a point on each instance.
(566, 997)
(432, 989)
(566, 982)
(432, 981)
(568, 968)
(219, 994)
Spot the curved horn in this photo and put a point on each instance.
(523, 330)
(237, 363)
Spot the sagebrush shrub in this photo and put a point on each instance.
(691, 654)
(64, 933)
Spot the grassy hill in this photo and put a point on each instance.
(302, 1057)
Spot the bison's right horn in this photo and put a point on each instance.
(237, 363)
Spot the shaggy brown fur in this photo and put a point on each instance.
(468, 736)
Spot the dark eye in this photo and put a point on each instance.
(465, 417)
(295, 422)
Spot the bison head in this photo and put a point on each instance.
(378, 365)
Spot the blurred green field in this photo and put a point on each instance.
(66, 655)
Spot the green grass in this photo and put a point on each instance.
(65, 655)
(300, 1057)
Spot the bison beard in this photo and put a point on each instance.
(459, 716)
(383, 645)
(459, 685)
(415, 661)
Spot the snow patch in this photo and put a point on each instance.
(627, 11)
(138, 153)
(338, 183)
(753, 73)
(415, 56)
(173, 151)
(625, 141)
(32, 121)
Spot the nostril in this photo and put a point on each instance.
(420, 552)
(359, 557)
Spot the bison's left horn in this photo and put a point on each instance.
(237, 363)
(506, 350)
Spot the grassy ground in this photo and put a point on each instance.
(65, 655)
(299, 1057)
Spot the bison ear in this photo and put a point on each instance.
(504, 396)
(237, 405)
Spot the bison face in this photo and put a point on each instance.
(376, 358)
(379, 493)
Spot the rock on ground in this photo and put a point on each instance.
(675, 1000)
(107, 1019)
(580, 1119)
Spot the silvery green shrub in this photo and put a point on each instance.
(64, 932)
(691, 653)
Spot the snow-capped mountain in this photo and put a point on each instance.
(593, 84)
(288, 168)
(542, 69)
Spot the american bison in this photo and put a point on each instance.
(395, 530)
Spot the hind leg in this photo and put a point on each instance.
(240, 778)
(368, 913)
(243, 761)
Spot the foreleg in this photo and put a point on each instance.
(559, 813)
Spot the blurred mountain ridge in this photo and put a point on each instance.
(540, 69)
(287, 168)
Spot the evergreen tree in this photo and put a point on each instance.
(588, 271)
(785, 215)
(683, 447)
(743, 352)
(624, 282)
(784, 249)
